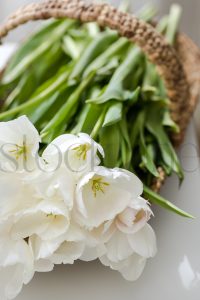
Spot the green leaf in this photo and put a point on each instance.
(149, 93)
(115, 90)
(134, 96)
(96, 46)
(174, 18)
(154, 126)
(48, 64)
(127, 66)
(159, 200)
(35, 75)
(115, 93)
(36, 114)
(109, 68)
(168, 122)
(124, 157)
(110, 141)
(166, 168)
(113, 115)
(88, 118)
(162, 24)
(54, 83)
(111, 93)
(105, 56)
(61, 129)
(31, 57)
(135, 129)
(63, 96)
(42, 93)
(125, 144)
(22, 91)
(146, 156)
(92, 29)
(147, 13)
(69, 108)
(32, 43)
(98, 124)
(137, 137)
(151, 76)
(71, 47)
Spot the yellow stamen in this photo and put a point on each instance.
(20, 150)
(81, 151)
(98, 185)
(50, 215)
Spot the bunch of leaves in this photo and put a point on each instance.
(71, 77)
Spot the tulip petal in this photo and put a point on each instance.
(130, 268)
(104, 193)
(133, 267)
(143, 242)
(92, 253)
(67, 253)
(118, 247)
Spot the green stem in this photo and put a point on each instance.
(159, 200)
(174, 18)
(147, 13)
(98, 124)
(67, 109)
(97, 46)
(162, 25)
(127, 66)
(35, 54)
(38, 98)
(103, 58)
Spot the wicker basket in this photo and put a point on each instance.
(179, 67)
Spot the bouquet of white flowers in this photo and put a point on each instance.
(62, 206)
(85, 140)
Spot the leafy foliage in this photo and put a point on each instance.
(70, 77)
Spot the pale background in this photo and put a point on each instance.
(175, 272)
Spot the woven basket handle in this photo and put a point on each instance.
(144, 35)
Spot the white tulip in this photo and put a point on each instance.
(64, 249)
(69, 208)
(132, 241)
(58, 185)
(104, 193)
(134, 217)
(68, 252)
(127, 253)
(17, 194)
(77, 153)
(96, 239)
(121, 245)
(65, 160)
(78, 244)
(43, 249)
(48, 220)
(130, 268)
(19, 144)
(16, 267)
